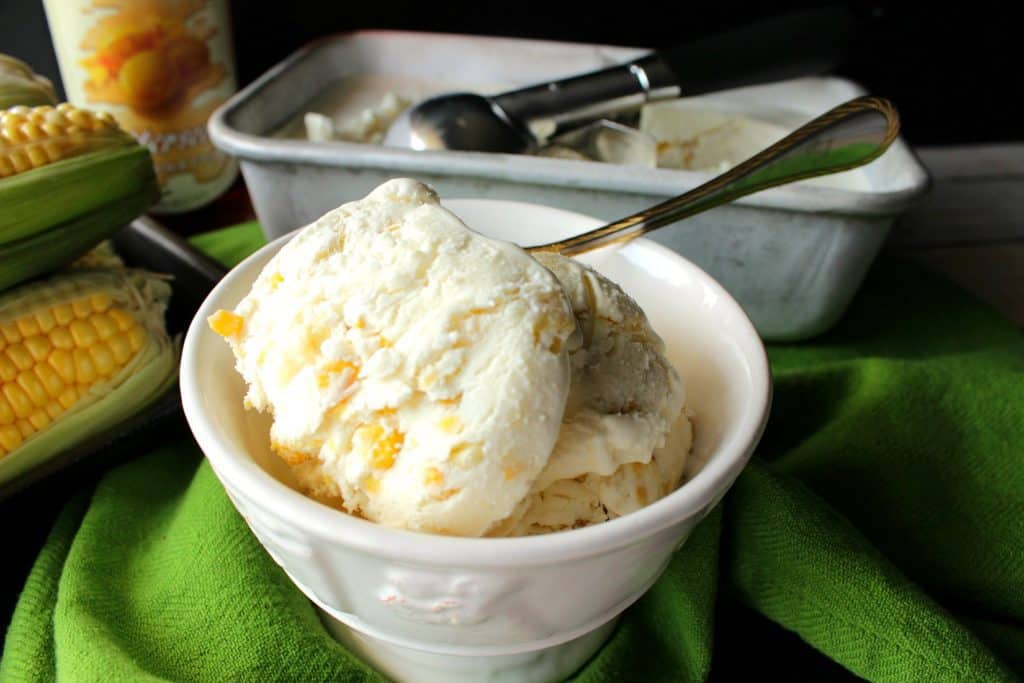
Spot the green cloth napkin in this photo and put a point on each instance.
(882, 522)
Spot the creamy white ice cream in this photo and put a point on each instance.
(429, 378)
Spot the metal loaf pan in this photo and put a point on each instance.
(792, 256)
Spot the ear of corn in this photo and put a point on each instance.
(79, 353)
(57, 163)
(20, 85)
(69, 178)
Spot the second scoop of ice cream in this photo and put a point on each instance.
(624, 436)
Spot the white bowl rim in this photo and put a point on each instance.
(337, 527)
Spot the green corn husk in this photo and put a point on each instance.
(69, 178)
(57, 247)
(108, 401)
(35, 201)
(20, 85)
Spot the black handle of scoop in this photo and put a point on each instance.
(803, 43)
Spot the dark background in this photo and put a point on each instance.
(952, 68)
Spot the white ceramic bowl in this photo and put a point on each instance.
(421, 607)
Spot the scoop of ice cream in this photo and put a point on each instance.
(624, 436)
(417, 372)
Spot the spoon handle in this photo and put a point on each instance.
(846, 137)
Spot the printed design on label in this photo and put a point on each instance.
(154, 58)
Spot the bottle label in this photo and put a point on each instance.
(160, 67)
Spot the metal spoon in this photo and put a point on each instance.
(798, 44)
(845, 137)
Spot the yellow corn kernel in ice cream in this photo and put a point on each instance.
(383, 445)
(226, 323)
(450, 424)
(336, 368)
(511, 471)
(433, 477)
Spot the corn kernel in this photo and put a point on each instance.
(60, 360)
(49, 377)
(292, 457)
(10, 437)
(69, 396)
(31, 130)
(103, 360)
(123, 318)
(85, 372)
(121, 348)
(44, 319)
(8, 370)
(105, 326)
(225, 323)
(63, 314)
(27, 326)
(21, 162)
(18, 399)
(433, 477)
(81, 308)
(10, 333)
(6, 412)
(19, 355)
(51, 149)
(12, 133)
(338, 367)
(383, 445)
(36, 156)
(465, 454)
(83, 333)
(447, 493)
(35, 390)
(39, 346)
(450, 424)
(62, 339)
(136, 338)
(100, 302)
(39, 419)
(54, 409)
(25, 427)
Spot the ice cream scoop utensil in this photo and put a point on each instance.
(845, 137)
(798, 44)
